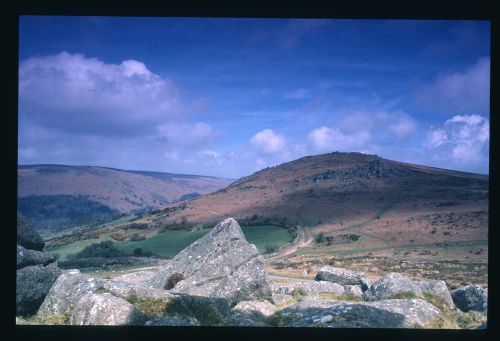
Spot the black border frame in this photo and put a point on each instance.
(354, 9)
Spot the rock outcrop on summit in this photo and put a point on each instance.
(220, 264)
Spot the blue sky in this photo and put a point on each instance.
(226, 97)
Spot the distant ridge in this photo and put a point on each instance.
(59, 196)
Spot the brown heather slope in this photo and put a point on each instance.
(363, 205)
(64, 192)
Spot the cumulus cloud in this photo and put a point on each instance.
(363, 131)
(75, 93)
(459, 91)
(464, 138)
(326, 139)
(79, 110)
(269, 142)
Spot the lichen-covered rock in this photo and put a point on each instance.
(211, 311)
(133, 291)
(173, 321)
(105, 309)
(471, 297)
(141, 278)
(309, 287)
(282, 299)
(336, 314)
(251, 313)
(27, 236)
(353, 290)
(438, 289)
(390, 286)
(33, 283)
(343, 276)
(27, 257)
(220, 264)
(67, 290)
(254, 309)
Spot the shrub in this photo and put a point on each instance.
(320, 238)
(138, 252)
(173, 280)
(298, 293)
(119, 236)
(271, 248)
(103, 249)
(137, 237)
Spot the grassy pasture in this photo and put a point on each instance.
(169, 243)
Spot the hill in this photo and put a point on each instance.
(356, 204)
(59, 196)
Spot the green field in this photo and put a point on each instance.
(170, 243)
(65, 250)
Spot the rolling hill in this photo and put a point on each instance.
(360, 205)
(348, 209)
(59, 196)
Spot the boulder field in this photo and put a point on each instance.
(221, 280)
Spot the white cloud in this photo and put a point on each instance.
(403, 127)
(463, 137)
(86, 95)
(459, 91)
(267, 141)
(326, 139)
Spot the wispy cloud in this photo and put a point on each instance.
(297, 29)
(459, 92)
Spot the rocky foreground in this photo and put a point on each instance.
(221, 280)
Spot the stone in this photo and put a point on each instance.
(251, 313)
(141, 278)
(220, 264)
(471, 297)
(404, 313)
(128, 291)
(211, 311)
(343, 276)
(105, 309)
(67, 290)
(437, 288)
(173, 321)
(27, 257)
(309, 287)
(390, 286)
(255, 309)
(27, 236)
(353, 290)
(33, 283)
(282, 299)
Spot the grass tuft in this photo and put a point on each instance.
(405, 295)
(45, 319)
(343, 297)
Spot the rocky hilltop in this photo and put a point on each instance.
(221, 280)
